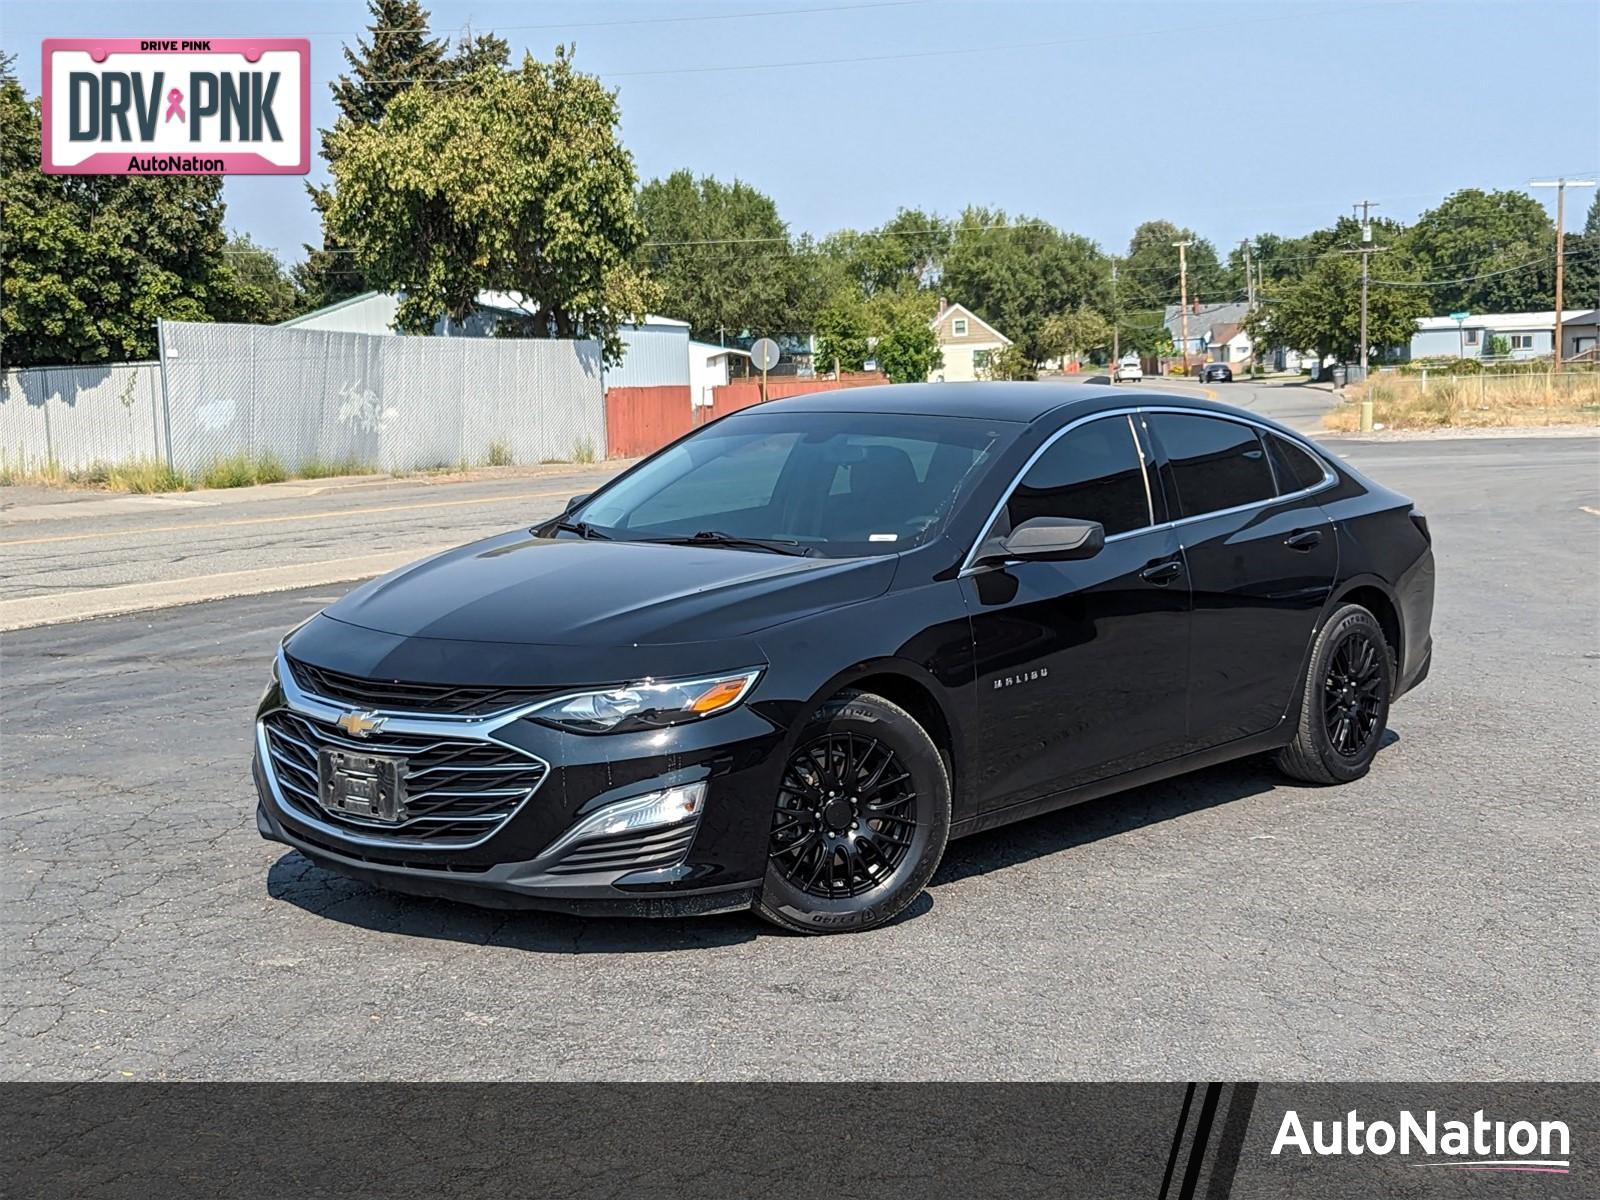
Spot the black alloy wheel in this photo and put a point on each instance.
(861, 818)
(846, 816)
(1344, 706)
(1353, 693)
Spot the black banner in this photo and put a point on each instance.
(1200, 1141)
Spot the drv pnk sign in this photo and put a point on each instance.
(198, 106)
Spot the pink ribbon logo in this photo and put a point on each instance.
(175, 105)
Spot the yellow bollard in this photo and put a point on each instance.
(1366, 414)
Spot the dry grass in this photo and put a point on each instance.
(144, 475)
(1472, 402)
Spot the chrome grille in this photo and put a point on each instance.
(384, 695)
(458, 790)
(637, 851)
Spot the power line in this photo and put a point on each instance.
(911, 55)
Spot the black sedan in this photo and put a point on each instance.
(782, 662)
(1214, 373)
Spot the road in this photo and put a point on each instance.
(1429, 922)
(74, 555)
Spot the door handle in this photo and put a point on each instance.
(1162, 573)
(1308, 539)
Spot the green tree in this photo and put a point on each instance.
(1149, 276)
(843, 330)
(1077, 332)
(724, 259)
(1484, 239)
(397, 54)
(90, 262)
(264, 294)
(1581, 288)
(1017, 275)
(905, 251)
(1321, 311)
(517, 184)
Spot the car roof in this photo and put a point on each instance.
(1015, 402)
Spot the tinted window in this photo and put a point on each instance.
(839, 483)
(1215, 464)
(1296, 470)
(1093, 473)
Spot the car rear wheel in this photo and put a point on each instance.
(861, 821)
(1344, 707)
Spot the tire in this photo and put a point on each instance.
(844, 858)
(1344, 703)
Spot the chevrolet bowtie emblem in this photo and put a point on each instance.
(359, 724)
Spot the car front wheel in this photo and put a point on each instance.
(861, 822)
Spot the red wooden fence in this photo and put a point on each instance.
(731, 397)
(641, 420)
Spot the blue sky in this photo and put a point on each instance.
(1231, 118)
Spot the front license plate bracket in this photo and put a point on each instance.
(368, 787)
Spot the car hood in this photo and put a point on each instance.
(519, 589)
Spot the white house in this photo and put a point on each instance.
(655, 350)
(708, 369)
(968, 342)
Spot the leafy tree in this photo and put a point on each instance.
(90, 262)
(909, 352)
(398, 53)
(1016, 276)
(1149, 276)
(905, 251)
(1581, 288)
(264, 294)
(1077, 332)
(1321, 311)
(1482, 234)
(723, 258)
(844, 330)
(1011, 362)
(517, 184)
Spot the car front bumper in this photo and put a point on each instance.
(529, 860)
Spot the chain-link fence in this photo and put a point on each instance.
(301, 396)
(73, 417)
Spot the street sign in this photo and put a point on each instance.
(1459, 316)
(764, 354)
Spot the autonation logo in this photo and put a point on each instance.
(1476, 1145)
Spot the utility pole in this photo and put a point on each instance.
(1183, 297)
(1561, 186)
(1249, 279)
(1116, 324)
(1367, 248)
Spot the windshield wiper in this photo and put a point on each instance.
(715, 537)
(584, 530)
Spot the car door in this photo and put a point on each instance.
(1081, 665)
(1261, 558)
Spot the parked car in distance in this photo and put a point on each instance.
(1128, 370)
(780, 663)
(1215, 373)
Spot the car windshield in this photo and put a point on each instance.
(834, 484)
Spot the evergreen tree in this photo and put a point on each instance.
(397, 54)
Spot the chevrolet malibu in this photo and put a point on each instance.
(781, 663)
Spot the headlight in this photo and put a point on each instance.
(648, 705)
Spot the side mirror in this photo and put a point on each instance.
(1047, 539)
(576, 500)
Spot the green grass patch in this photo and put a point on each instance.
(317, 468)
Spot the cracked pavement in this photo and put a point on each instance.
(1429, 922)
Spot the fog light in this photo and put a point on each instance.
(653, 810)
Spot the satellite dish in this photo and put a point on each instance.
(764, 354)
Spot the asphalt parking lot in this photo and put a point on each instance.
(1434, 921)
